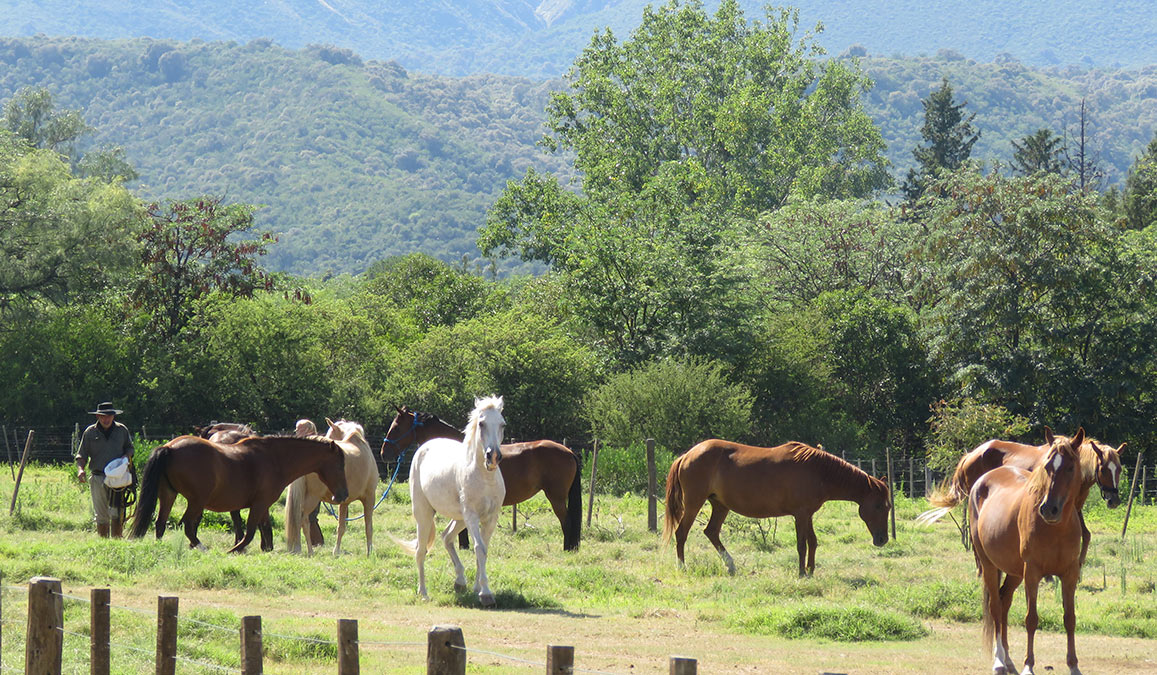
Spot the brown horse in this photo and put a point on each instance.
(526, 467)
(788, 480)
(250, 474)
(229, 433)
(1100, 465)
(1025, 526)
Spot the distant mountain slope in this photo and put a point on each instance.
(540, 38)
(355, 161)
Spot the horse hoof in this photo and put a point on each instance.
(486, 599)
(459, 588)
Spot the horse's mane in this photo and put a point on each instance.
(836, 468)
(1089, 460)
(1036, 480)
(470, 435)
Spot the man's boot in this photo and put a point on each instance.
(102, 530)
(117, 529)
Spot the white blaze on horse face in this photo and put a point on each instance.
(1057, 461)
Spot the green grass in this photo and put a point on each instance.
(622, 573)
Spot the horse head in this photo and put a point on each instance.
(1059, 474)
(402, 428)
(874, 509)
(485, 430)
(332, 473)
(1108, 471)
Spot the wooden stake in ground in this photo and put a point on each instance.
(1132, 490)
(594, 468)
(20, 476)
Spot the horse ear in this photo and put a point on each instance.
(1079, 437)
(1048, 435)
(1121, 449)
(397, 408)
(330, 423)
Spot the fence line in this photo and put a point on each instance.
(446, 649)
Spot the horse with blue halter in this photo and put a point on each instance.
(527, 468)
(1025, 526)
(250, 474)
(305, 493)
(460, 480)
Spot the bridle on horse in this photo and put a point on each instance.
(415, 424)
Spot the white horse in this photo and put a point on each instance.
(305, 493)
(460, 481)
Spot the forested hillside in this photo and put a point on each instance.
(356, 160)
(540, 38)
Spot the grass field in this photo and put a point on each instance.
(621, 601)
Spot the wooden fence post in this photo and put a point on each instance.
(891, 489)
(44, 645)
(559, 660)
(445, 651)
(594, 469)
(1132, 491)
(20, 476)
(682, 665)
(349, 662)
(911, 491)
(652, 513)
(514, 518)
(251, 663)
(99, 622)
(166, 635)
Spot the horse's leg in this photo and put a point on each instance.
(165, 499)
(691, 507)
(266, 529)
(368, 510)
(1086, 536)
(343, 511)
(1068, 595)
(714, 525)
(238, 526)
(1032, 579)
(257, 514)
(192, 520)
(805, 543)
(482, 530)
(1007, 591)
(448, 536)
(557, 499)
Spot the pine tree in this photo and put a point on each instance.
(1141, 189)
(1040, 151)
(949, 137)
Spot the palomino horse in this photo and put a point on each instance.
(1025, 526)
(788, 480)
(1100, 465)
(361, 476)
(461, 481)
(526, 468)
(247, 475)
(229, 433)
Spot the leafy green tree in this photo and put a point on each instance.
(62, 238)
(32, 116)
(948, 139)
(434, 292)
(191, 250)
(1039, 151)
(676, 402)
(1140, 198)
(958, 426)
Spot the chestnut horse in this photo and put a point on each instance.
(1100, 465)
(1025, 526)
(793, 479)
(229, 433)
(526, 468)
(250, 474)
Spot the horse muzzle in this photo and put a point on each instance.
(492, 457)
(1112, 497)
(341, 496)
(880, 539)
(1050, 511)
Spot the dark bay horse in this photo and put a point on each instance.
(1025, 526)
(1100, 465)
(229, 433)
(250, 474)
(526, 467)
(793, 479)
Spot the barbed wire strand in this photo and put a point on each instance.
(529, 662)
(177, 657)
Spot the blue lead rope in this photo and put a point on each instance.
(329, 507)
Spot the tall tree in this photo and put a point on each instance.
(948, 139)
(1141, 189)
(1083, 160)
(32, 115)
(1039, 151)
(190, 252)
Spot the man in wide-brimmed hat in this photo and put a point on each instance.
(102, 443)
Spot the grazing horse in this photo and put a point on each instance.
(1100, 465)
(361, 475)
(793, 479)
(249, 474)
(526, 468)
(460, 480)
(229, 433)
(1025, 526)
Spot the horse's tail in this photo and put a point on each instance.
(574, 508)
(674, 512)
(155, 470)
(294, 515)
(945, 497)
(988, 632)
